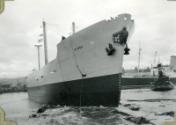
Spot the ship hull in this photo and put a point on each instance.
(104, 90)
(133, 83)
(130, 83)
(162, 88)
(87, 67)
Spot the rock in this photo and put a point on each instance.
(42, 109)
(134, 108)
(33, 116)
(142, 120)
(127, 105)
(138, 120)
(171, 113)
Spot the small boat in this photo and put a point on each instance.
(163, 82)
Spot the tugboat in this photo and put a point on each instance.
(163, 82)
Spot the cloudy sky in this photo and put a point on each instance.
(20, 27)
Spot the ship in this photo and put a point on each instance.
(146, 77)
(142, 78)
(134, 79)
(84, 73)
(163, 82)
(138, 78)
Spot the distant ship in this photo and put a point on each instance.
(83, 73)
(138, 78)
(144, 78)
(163, 83)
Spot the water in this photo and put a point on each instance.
(17, 105)
(18, 108)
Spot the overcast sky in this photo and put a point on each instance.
(20, 26)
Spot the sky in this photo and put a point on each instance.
(21, 26)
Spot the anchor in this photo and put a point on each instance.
(110, 49)
(126, 50)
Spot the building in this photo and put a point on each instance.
(173, 63)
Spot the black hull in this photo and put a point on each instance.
(134, 83)
(162, 84)
(104, 90)
(162, 89)
(167, 87)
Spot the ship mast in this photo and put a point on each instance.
(38, 51)
(154, 62)
(139, 58)
(155, 55)
(45, 42)
(73, 27)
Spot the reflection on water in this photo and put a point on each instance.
(18, 108)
